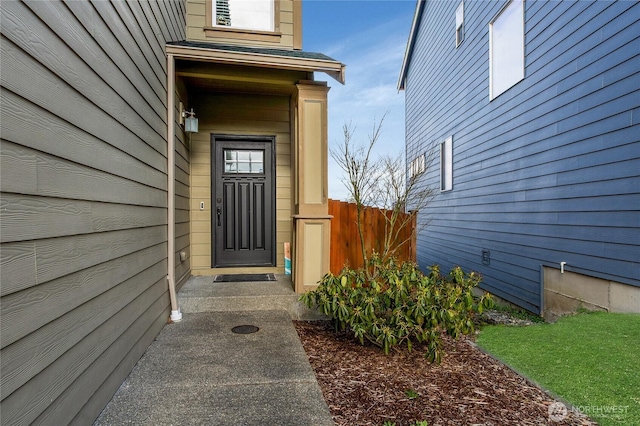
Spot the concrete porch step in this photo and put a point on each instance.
(201, 294)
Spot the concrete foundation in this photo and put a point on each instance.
(566, 292)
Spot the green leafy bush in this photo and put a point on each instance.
(392, 304)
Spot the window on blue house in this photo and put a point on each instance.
(460, 24)
(446, 164)
(506, 48)
(417, 166)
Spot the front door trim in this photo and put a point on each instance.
(270, 172)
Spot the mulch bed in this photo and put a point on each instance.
(362, 386)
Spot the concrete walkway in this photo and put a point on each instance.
(198, 372)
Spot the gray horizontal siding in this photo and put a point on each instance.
(39, 173)
(56, 337)
(548, 171)
(48, 384)
(57, 137)
(83, 200)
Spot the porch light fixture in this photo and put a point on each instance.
(190, 121)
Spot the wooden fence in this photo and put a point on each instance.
(345, 241)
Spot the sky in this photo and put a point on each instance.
(370, 37)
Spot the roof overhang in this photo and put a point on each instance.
(256, 57)
(410, 43)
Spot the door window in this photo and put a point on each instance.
(243, 161)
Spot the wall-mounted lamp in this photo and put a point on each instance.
(190, 120)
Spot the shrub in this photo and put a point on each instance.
(399, 305)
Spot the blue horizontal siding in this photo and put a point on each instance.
(548, 171)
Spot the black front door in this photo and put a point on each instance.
(243, 193)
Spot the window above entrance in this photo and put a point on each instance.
(250, 21)
(257, 15)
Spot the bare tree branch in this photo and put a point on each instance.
(381, 183)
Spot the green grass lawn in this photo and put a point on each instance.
(590, 360)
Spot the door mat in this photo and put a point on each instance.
(236, 278)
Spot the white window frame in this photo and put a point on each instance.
(417, 166)
(506, 48)
(446, 164)
(460, 24)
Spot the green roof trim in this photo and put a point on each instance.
(253, 50)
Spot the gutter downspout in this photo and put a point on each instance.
(171, 192)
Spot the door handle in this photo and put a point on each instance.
(219, 213)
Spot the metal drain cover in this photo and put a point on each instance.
(245, 329)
